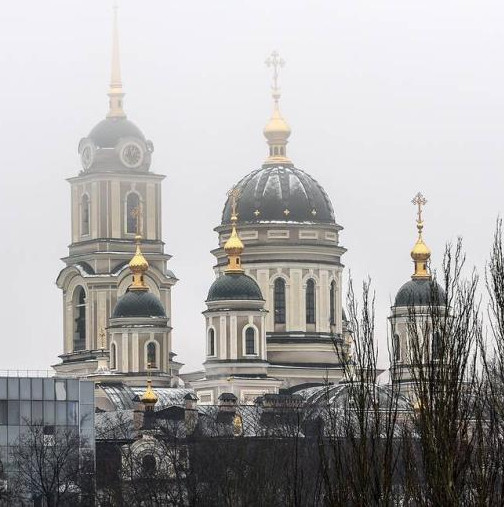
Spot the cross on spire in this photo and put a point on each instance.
(420, 201)
(234, 195)
(137, 213)
(275, 61)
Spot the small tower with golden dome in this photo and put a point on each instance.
(235, 330)
(417, 297)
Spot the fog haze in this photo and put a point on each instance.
(384, 99)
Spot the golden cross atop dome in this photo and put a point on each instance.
(234, 195)
(420, 201)
(275, 61)
(138, 214)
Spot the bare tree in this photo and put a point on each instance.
(358, 442)
(50, 464)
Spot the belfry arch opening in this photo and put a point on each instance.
(79, 318)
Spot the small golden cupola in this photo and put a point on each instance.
(277, 131)
(234, 246)
(420, 252)
(149, 398)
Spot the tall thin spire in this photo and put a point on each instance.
(421, 252)
(115, 93)
(277, 131)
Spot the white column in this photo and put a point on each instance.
(95, 197)
(150, 204)
(116, 207)
(295, 318)
(222, 338)
(135, 352)
(75, 214)
(124, 362)
(233, 337)
(323, 302)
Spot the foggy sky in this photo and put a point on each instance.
(384, 98)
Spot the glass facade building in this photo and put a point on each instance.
(55, 403)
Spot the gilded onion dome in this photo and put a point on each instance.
(420, 252)
(149, 398)
(138, 266)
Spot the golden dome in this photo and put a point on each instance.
(420, 254)
(234, 248)
(149, 398)
(138, 266)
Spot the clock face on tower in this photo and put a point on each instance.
(87, 156)
(132, 155)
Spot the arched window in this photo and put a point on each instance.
(397, 348)
(113, 356)
(151, 355)
(211, 342)
(279, 301)
(332, 304)
(85, 215)
(132, 202)
(148, 465)
(250, 341)
(436, 346)
(79, 338)
(310, 302)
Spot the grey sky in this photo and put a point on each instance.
(384, 98)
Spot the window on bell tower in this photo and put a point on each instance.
(79, 336)
(132, 203)
(151, 355)
(85, 215)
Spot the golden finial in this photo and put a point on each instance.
(115, 93)
(234, 246)
(277, 131)
(138, 264)
(149, 398)
(420, 253)
(237, 425)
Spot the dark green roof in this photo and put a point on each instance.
(235, 286)
(108, 132)
(137, 303)
(420, 293)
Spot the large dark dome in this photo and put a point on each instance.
(108, 132)
(280, 193)
(235, 286)
(420, 293)
(136, 303)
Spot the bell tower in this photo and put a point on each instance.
(114, 194)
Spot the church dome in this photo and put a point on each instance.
(280, 193)
(135, 303)
(234, 286)
(110, 131)
(420, 292)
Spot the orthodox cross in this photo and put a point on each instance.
(137, 214)
(234, 195)
(102, 336)
(420, 201)
(277, 63)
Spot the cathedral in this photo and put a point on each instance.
(274, 319)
